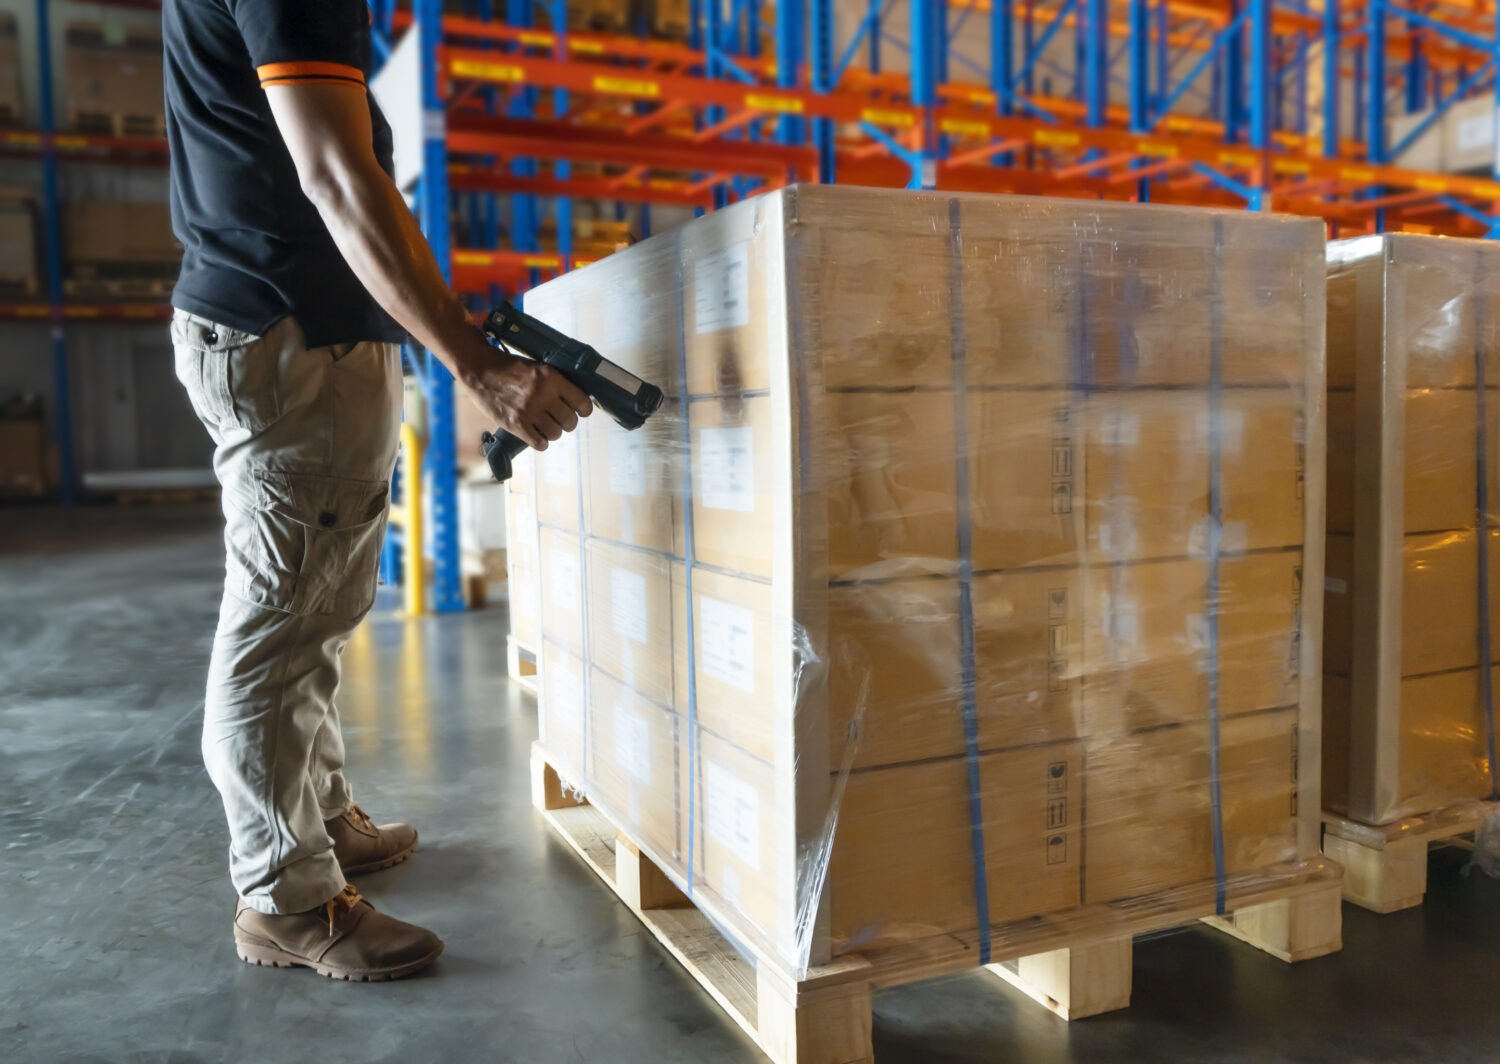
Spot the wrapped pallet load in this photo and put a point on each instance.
(1413, 559)
(957, 584)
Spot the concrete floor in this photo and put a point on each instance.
(115, 907)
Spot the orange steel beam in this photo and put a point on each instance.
(902, 119)
(647, 190)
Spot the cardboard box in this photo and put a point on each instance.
(523, 553)
(119, 233)
(733, 483)
(1032, 815)
(894, 682)
(733, 654)
(12, 105)
(1029, 661)
(1149, 825)
(632, 486)
(114, 78)
(1402, 599)
(612, 16)
(1440, 601)
(563, 597)
(670, 18)
(630, 619)
(18, 258)
(558, 501)
(1149, 641)
(891, 480)
(561, 717)
(23, 457)
(633, 765)
(871, 560)
(1127, 474)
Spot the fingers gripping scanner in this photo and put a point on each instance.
(622, 395)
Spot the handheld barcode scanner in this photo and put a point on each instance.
(622, 395)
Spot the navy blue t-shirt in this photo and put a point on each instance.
(256, 249)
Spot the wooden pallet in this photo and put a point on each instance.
(1385, 867)
(521, 664)
(1076, 963)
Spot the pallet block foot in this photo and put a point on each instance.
(1382, 879)
(548, 791)
(640, 884)
(1293, 929)
(824, 1027)
(1076, 982)
(520, 664)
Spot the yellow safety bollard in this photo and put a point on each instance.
(410, 520)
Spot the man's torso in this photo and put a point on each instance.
(255, 248)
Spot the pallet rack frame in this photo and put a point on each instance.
(514, 110)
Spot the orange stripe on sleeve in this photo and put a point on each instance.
(284, 73)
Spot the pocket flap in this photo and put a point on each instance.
(323, 502)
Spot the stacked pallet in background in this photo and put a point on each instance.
(113, 76)
(949, 611)
(12, 109)
(18, 245)
(602, 16)
(23, 447)
(118, 250)
(1413, 559)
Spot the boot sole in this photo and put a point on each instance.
(263, 956)
(383, 863)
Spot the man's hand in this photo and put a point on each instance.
(525, 398)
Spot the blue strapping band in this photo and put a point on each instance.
(688, 553)
(1482, 525)
(969, 702)
(1215, 531)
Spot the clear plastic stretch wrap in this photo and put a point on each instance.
(996, 512)
(1413, 450)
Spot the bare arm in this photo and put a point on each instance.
(326, 127)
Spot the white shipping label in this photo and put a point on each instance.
(1335, 585)
(733, 813)
(627, 463)
(633, 745)
(727, 643)
(1477, 132)
(1231, 431)
(721, 289)
(562, 580)
(627, 605)
(726, 469)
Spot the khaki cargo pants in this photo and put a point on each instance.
(307, 438)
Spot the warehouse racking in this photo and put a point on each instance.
(1268, 105)
(53, 147)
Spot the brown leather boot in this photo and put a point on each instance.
(344, 938)
(362, 847)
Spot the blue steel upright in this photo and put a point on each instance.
(62, 398)
(432, 197)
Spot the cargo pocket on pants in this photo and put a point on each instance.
(318, 543)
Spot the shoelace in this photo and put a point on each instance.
(341, 903)
(358, 813)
